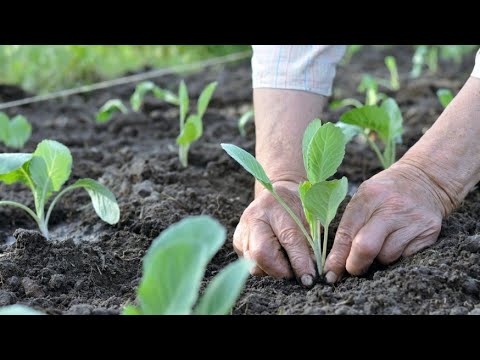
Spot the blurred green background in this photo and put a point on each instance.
(45, 68)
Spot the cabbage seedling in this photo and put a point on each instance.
(243, 121)
(445, 96)
(16, 132)
(44, 172)
(323, 149)
(191, 127)
(391, 64)
(174, 266)
(108, 109)
(384, 122)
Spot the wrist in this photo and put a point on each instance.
(443, 192)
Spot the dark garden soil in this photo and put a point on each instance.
(90, 267)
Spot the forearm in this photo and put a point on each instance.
(447, 156)
(281, 117)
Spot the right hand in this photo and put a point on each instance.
(268, 235)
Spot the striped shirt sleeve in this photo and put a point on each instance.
(476, 69)
(296, 67)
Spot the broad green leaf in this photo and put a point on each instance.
(184, 102)
(322, 199)
(4, 126)
(192, 130)
(175, 265)
(41, 177)
(369, 117)
(14, 168)
(325, 153)
(19, 132)
(396, 121)
(131, 310)
(19, 310)
(12, 162)
(58, 161)
(225, 288)
(249, 163)
(445, 96)
(139, 93)
(204, 98)
(242, 122)
(103, 200)
(337, 104)
(310, 131)
(349, 131)
(108, 109)
(165, 95)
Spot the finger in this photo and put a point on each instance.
(394, 245)
(299, 253)
(238, 236)
(256, 270)
(424, 240)
(352, 221)
(265, 250)
(367, 245)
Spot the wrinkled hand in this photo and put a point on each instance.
(267, 234)
(395, 213)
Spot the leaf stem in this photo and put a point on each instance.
(324, 252)
(377, 151)
(55, 200)
(294, 217)
(183, 155)
(41, 224)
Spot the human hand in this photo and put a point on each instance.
(268, 235)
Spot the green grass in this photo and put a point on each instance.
(45, 68)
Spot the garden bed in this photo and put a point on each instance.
(90, 267)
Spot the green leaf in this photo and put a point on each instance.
(249, 163)
(225, 288)
(325, 153)
(204, 98)
(175, 265)
(19, 310)
(13, 168)
(184, 102)
(308, 135)
(108, 109)
(369, 117)
(396, 120)
(131, 310)
(58, 162)
(322, 199)
(242, 122)
(165, 95)
(19, 132)
(349, 131)
(103, 200)
(192, 130)
(139, 93)
(445, 96)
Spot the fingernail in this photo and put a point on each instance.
(331, 277)
(307, 280)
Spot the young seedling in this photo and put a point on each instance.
(108, 109)
(369, 86)
(45, 172)
(384, 122)
(174, 266)
(243, 121)
(191, 126)
(16, 132)
(445, 96)
(323, 149)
